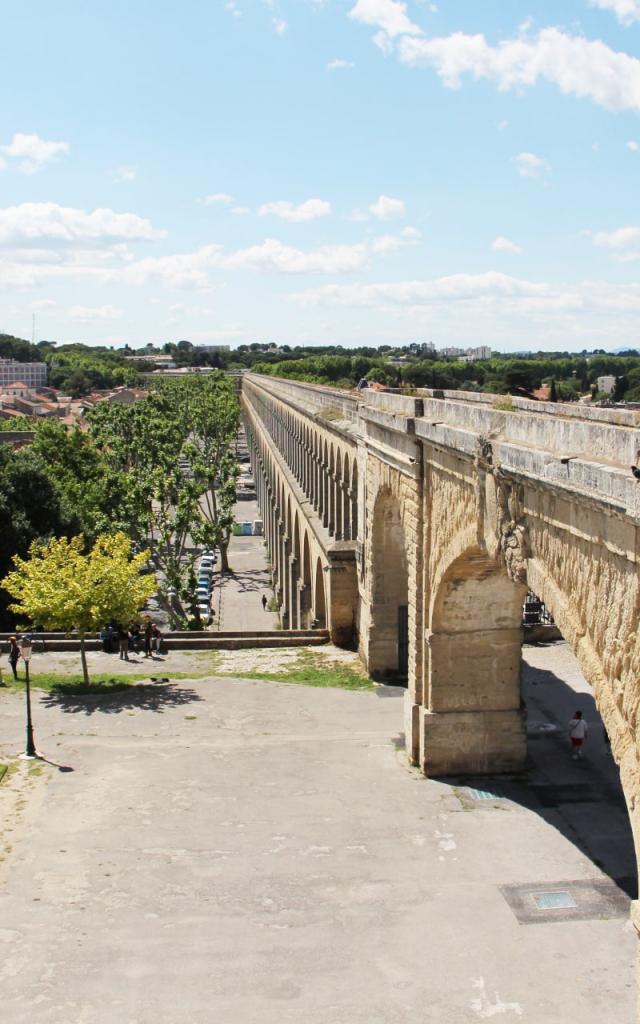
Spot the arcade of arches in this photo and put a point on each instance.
(413, 526)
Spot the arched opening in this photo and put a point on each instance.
(319, 605)
(388, 651)
(305, 591)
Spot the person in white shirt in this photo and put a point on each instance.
(578, 730)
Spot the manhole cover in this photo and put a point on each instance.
(553, 900)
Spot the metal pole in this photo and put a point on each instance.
(31, 747)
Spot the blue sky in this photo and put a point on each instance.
(364, 172)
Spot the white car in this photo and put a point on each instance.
(204, 611)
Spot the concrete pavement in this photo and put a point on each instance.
(259, 853)
(237, 598)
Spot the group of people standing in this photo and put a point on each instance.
(135, 638)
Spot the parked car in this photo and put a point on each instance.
(204, 611)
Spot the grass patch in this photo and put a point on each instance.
(3, 771)
(308, 672)
(72, 684)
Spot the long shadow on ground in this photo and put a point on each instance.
(583, 800)
(142, 697)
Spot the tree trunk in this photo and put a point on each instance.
(224, 559)
(83, 658)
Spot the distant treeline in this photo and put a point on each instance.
(77, 369)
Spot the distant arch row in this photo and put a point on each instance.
(298, 564)
(324, 465)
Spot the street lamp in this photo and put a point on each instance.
(25, 650)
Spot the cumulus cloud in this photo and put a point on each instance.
(86, 314)
(577, 66)
(124, 174)
(192, 270)
(626, 11)
(474, 295)
(622, 241)
(279, 25)
(502, 244)
(311, 209)
(387, 208)
(29, 222)
(340, 65)
(633, 145)
(33, 152)
(531, 166)
(389, 16)
(217, 197)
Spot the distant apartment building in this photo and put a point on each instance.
(468, 355)
(32, 374)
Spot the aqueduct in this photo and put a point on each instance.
(413, 526)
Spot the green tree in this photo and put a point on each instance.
(63, 588)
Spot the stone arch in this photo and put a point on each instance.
(388, 653)
(319, 598)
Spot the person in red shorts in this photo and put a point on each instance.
(578, 730)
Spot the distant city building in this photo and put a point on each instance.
(468, 355)
(32, 375)
(160, 361)
(606, 384)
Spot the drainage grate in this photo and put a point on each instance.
(554, 900)
(595, 900)
(485, 794)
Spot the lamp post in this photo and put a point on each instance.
(25, 650)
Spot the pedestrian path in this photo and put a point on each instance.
(237, 599)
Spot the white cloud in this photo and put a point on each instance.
(502, 244)
(389, 16)
(386, 208)
(340, 65)
(531, 166)
(28, 268)
(577, 66)
(217, 197)
(280, 25)
(633, 145)
(33, 152)
(86, 314)
(124, 174)
(311, 209)
(621, 238)
(493, 295)
(626, 11)
(39, 221)
(44, 304)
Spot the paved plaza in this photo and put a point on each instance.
(246, 852)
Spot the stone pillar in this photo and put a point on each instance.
(325, 498)
(474, 721)
(331, 503)
(346, 511)
(294, 593)
(285, 614)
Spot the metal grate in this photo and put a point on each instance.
(554, 900)
(485, 794)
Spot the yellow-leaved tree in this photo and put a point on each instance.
(62, 587)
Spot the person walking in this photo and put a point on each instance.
(156, 637)
(14, 655)
(123, 643)
(264, 602)
(148, 636)
(578, 730)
